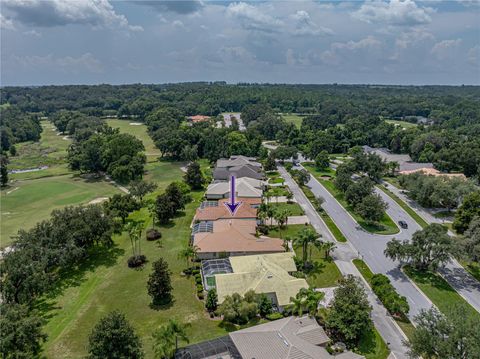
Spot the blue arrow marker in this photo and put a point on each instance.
(232, 206)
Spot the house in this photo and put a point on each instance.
(224, 173)
(198, 118)
(235, 161)
(404, 161)
(287, 338)
(265, 273)
(213, 210)
(232, 237)
(245, 187)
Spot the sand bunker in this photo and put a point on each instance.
(135, 123)
(98, 200)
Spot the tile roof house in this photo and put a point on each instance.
(267, 273)
(198, 118)
(245, 187)
(288, 338)
(239, 160)
(432, 172)
(247, 210)
(238, 166)
(404, 160)
(234, 237)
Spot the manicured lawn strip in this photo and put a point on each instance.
(290, 232)
(472, 268)
(276, 191)
(405, 206)
(276, 180)
(327, 172)
(293, 208)
(325, 272)
(372, 346)
(403, 124)
(140, 131)
(406, 326)
(387, 226)
(439, 291)
(293, 118)
(109, 285)
(34, 200)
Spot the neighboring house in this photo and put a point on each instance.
(198, 118)
(224, 173)
(245, 187)
(213, 210)
(287, 338)
(432, 172)
(232, 237)
(239, 160)
(404, 160)
(267, 273)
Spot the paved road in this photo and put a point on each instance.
(466, 285)
(343, 255)
(370, 246)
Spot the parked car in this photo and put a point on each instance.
(403, 224)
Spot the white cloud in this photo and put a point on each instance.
(340, 51)
(414, 37)
(252, 18)
(6, 24)
(179, 7)
(68, 64)
(445, 49)
(178, 24)
(97, 13)
(236, 54)
(305, 26)
(33, 33)
(394, 12)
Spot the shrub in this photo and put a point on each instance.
(136, 261)
(393, 302)
(274, 316)
(263, 229)
(153, 234)
(200, 295)
(195, 271)
(198, 280)
(199, 288)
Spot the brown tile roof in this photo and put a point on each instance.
(199, 118)
(214, 213)
(235, 235)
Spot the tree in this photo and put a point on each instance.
(114, 337)
(322, 161)
(470, 242)
(211, 302)
(194, 176)
(166, 338)
(304, 239)
(159, 284)
(358, 190)
(140, 188)
(302, 177)
(264, 304)
(469, 208)
(454, 335)
(349, 315)
(189, 253)
(270, 164)
(306, 301)
(3, 169)
(121, 205)
(328, 247)
(319, 201)
(428, 249)
(176, 196)
(343, 179)
(289, 196)
(281, 216)
(371, 208)
(164, 208)
(21, 332)
(236, 309)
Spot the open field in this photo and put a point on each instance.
(139, 131)
(293, 118)
(50, 150)
(403, 124)
(107, 283)
(406, 326)
(386, 225)
(27, 202)
(439, 291)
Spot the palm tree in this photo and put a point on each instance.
(304, 239)
(153, 212)
(166, 338)
(306, 300)
(189, 253)
(328, 247)
(270, 213)
(134, 232)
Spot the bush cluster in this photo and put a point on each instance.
(393, 302)
(137, 261)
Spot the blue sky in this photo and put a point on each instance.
(106, 41)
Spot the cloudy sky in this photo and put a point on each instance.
(107, 41)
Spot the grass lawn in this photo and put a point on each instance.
(439, 291)
(277, 191)
(106, 285)
(327, 172)
(50, 150)
(27, 202)
(472, 268)
(291, 231)
(372, 346)
(405, 206)
(324, 273)
(139, 131)
(293, 118)
(276, 180)
(406, 326)
(293, 208)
